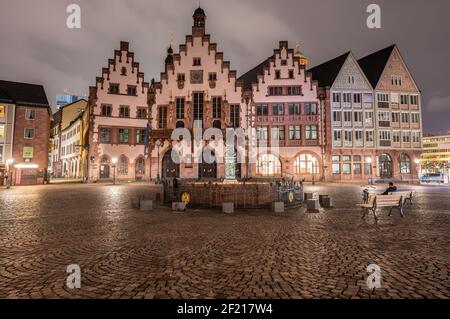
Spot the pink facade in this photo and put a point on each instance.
(118, 119)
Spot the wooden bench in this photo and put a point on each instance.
(407, 196)
(379, 201)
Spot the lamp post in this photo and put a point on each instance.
(114, 161)
(9, 172)
(158, 176)
(369, 161)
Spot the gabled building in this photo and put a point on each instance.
(197, 91)
(349, 118)
(24, 131)
(118, 110)
(286, 113)
(398, 114)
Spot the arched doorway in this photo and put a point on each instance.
(268, 165)
(207, 169)
(170, 169)
(139, 168)
(104, 167)
(385, 162)
(306, 164)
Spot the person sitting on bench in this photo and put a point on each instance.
(391, 189)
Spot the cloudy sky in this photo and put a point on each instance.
(37, 47)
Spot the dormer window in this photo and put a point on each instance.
(396, 80)
(113, 88)
(123, 71)
(181, 77)
(351, 79)
(277, 74)
(197, 62)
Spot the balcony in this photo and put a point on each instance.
(347, 124)
(358, 124)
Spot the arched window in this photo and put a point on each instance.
(122, 165)
(268, 164)
(404, 163)
(140, 166)
(104, 160)
(306, 164)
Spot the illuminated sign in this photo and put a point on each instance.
(28, 152)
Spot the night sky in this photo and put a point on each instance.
(37, 46)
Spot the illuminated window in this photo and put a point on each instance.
(306, 164)
(268, 164)
(122, 165)
(404, 163)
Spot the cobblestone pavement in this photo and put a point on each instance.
(125, 253)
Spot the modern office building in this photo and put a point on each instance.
(435, 159)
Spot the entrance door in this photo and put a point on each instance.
(170, 169)
(104, 170)
(207, 170)
(386, 168)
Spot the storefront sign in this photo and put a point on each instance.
(28, 152)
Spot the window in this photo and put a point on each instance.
(198, 106)
(357, 116)
(311, 132)
(405, 118)
(336, 116)
(162, 117)
(294, 109)
(403, 99)
(30, 114)
(261, 133)
(367, 165)
(114, 88)
(337, 136)
(357, 98)
(122, 165)
(357, 166)
(311, 109)
(105, 135)
(384, 116)
(346, 166)
(197, 62)
(277, 109)
(348, 136)
(415, 137)
(28, 133)
(396, 137)
(385, 135)
(278, 133)
(383, 97)
(131, 90)
(351, 79)
(234, 115)
(268, 164)
(275, 90)
(347, 116)
(336, 97)
(415, 118)
(414, 99)
(181, 77)
(336, 167)
(369, 118)
(124, 111)
(369, 136)
(306, 164)
(123, 135)
(179, 104)
(140, 136)
(277, 74)
(123, 71)
(396, 80)
(262, 110)
(212, 76)
(405, 137)
(106, 110)
(396, 117)
(140, 166)
(141, 113)
(346, 97)
(294, 90)
(404, 163)
(294, 132)
(291, 74)
(358, 136)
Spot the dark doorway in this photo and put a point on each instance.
(207, 170)
(386, 166)
(170, 169)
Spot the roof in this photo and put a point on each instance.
(326, 73)
(23, 94)
(252, 76)
(373, 65)
(199, 12)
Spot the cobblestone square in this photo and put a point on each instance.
(126, 253)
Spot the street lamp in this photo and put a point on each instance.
(9, 172)
(369, 161)
(158, 176)
(114, 161)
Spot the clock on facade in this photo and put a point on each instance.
(196, 77)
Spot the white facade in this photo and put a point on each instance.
(71, 142)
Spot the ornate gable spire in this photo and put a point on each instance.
(199, 22)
